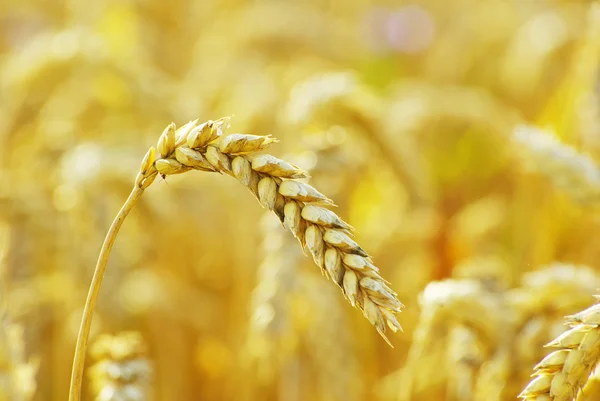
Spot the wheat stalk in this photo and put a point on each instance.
(276, 185)
(562, 374)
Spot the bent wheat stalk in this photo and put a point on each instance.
(561, 375)
(276, 185)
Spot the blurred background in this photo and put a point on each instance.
(405, 115)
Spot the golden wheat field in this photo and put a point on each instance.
(420, 219)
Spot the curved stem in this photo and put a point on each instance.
(90, 303)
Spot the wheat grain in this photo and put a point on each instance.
(299, 206)
(562, 374)
(122, 372)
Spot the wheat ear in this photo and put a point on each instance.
(575, 173)
(299, 206)
(275, 184)
(562, 374)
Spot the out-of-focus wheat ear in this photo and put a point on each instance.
(562, 374)
(494, 375)
(272, 317)
(122, 371)
(468, 309)
(424, 339)
(465, 359)
(575, 173)
(17, 370)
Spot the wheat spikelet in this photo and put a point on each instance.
(572, 172)
(122, 372)
(562, 374)
(299, 206)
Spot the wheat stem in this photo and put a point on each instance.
(90, 303)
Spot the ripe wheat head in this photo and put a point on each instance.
(300, 207)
